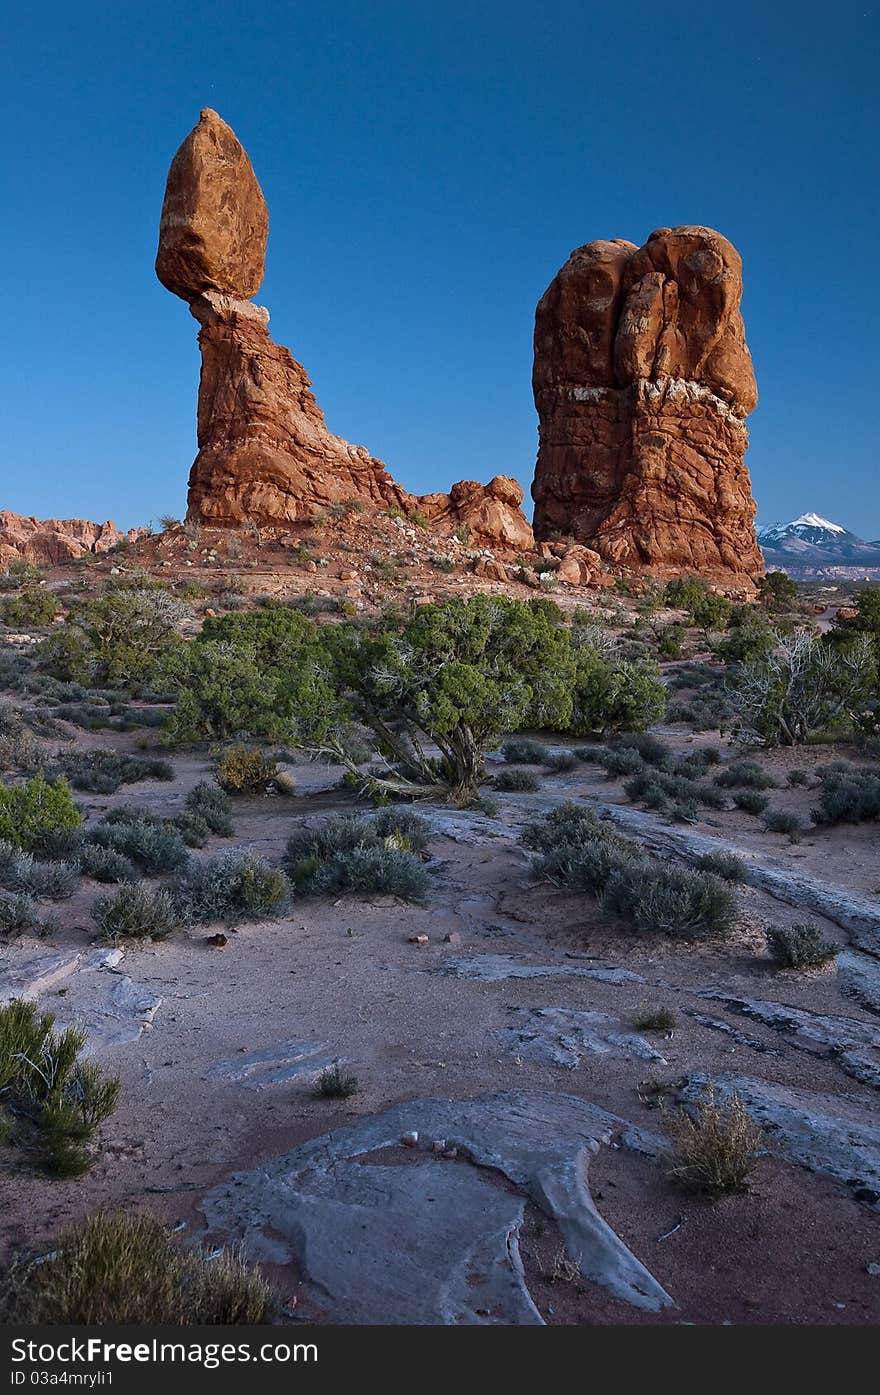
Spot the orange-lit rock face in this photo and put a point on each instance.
(49, 542)
(214, 224)
(642, 381)
(265, 453)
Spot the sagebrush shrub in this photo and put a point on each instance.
(350, 853)
(336, 1084)
(625, 760)
(236, 885)
(151, 842)
(575, 849)
(751, 801)
(512, 781)
(243, 771)
(211, 804)
(679, 902)
(409, 830)
(799, 946)
(105, 864)
(560, 761)
(784, 821)
(103, 772)
(849, 794)
(130, 1270)
(715, 1148)
(723, 864)
(20, 915)
(383, 870)
(136, 912)
(19, 871)
(747, 774)
(523, 751)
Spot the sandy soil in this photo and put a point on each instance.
(345, 974)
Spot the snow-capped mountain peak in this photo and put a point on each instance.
(812, 541)
(814, 520)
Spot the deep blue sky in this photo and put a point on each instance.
(428, 168)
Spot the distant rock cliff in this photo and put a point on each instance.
(49, 542)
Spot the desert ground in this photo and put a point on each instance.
(504, 1157)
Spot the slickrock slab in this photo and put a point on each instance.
(562, 1037)
(436, 1241)
(494, 968)
(854, 1045)
(34, 974)
(275, 1065)
(112, 1010)
(824, 1133)
(859, 978)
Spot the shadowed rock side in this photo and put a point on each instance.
(265, 453)
(642, 381)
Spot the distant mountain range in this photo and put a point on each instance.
(812, 545)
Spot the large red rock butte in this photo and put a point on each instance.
(642, 381)
(265, 453)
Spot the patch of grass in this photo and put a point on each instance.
(654, 1019)
(243, 771)
(751, 801)
(715, 1149)
(785, 821)
(745, 774)
(58, 1102)
(799, 946)
(136, 912)
(336, 1084)
(130, 1270)
(350, 853)
(517, 780)
(723, 864)
(235, 886)
(523, 751)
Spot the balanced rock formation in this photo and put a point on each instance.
(50, 542)
(642, 381)
(265, 453)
